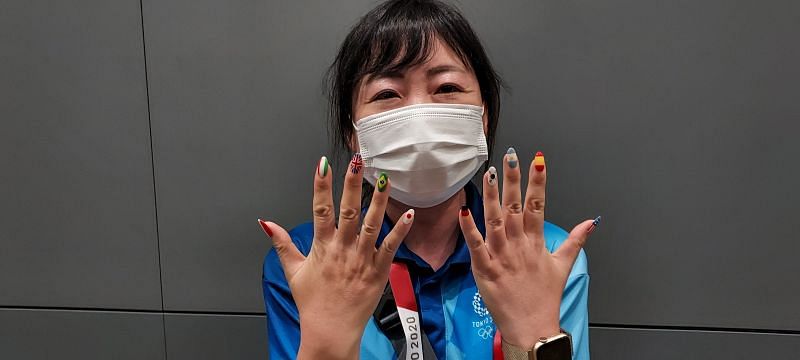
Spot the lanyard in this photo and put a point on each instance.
(403, 291)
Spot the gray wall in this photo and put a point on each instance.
(141, 141)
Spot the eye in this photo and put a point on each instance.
(385, 94)
(448, 88)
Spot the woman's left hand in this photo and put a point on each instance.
(520, 281)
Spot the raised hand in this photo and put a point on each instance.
(520, 281)
(338, 285)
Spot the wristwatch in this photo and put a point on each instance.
(558, 347)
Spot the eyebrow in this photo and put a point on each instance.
(394, 74)
(436, 70)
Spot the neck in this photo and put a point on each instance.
(435, 230)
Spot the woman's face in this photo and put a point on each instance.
(441, 79)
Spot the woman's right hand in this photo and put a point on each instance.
(338, 285)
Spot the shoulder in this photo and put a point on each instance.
(554, 236)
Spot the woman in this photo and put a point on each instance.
(415, 98)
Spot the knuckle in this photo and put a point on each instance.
(495, 223)
(388, 247)
(514, 208)
(535, 205)
(348, 214)
(323, 211)
(369, 230)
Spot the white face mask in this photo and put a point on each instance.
(429, 151)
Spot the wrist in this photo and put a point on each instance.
(525, 332)
(317, 343)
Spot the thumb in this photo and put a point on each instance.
(569, 250)
(290, 257)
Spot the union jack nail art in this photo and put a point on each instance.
(356, 163)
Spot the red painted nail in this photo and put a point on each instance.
(464, 211)
(265, 227)
(538, 161)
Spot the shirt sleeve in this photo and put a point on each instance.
(283, 320)
(574, 315)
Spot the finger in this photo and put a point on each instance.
(324, 222)
(534, 200)
(478, 250)
(385, 254)
(374, 218)
(512, 200)
(350, 207)
(291, 258)
(495, 224)
(569, 250)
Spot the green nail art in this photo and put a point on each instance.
(322, 168)
(383, 180)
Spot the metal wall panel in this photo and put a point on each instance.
(77, 222)
(635, 344)
(197, 337)
(80, 335)
(676, 122)
(238, 127)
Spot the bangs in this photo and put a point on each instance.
(404, 37)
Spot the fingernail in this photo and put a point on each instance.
(595, 224)
(538, 161)
(492, 176)
(356, 163)
(322, 167)
(464, 211)
(265, 227)
(511, 156)
(382, 181)
(408, 217)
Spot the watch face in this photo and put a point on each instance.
(556, 349)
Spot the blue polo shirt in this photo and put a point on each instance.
(452, 312)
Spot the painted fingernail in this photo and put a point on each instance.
(595, 224)
(356, 163)
(492, 176)
(265, 227)
(382, 181)
(511, 156)
(464, 211)
(322, 167)
(408, 217)
(538, 161)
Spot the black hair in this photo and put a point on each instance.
(394, 36)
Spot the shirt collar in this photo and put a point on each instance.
(461, 253)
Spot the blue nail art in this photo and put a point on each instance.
(511, 155)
